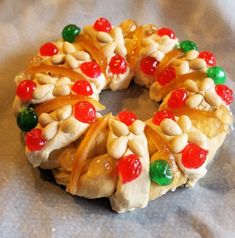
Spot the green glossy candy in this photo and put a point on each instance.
(70, 32)
(187, 45)
(161, 173)
(27, 119)
(217, 74)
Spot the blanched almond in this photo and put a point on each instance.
(194, 100)
(185, 123)
(50, 130)
(136, 147)
(119, 128)
(118, 147)
(179, 142)
(170, 127)
(137, 127)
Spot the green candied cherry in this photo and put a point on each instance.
(187, 45)
(70, 32)
(27, 119)
(217, 74)
(161, 172)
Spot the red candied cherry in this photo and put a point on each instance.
(127, 117)
(84, 111)
(48, 49)
(167, 75)
(177, 98)
(118, 64)
(166, 31)
(225, 93)
(209, 57)
(159, 116)
(102, 24)
(193, 156)
(129, 167)
(34, 140)
(148, 65)
(25, 89)
(82, 87)
(91, 69)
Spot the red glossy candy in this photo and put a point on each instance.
(177, 98)
(118, 64)
(127, 117)
(102, 24)
(129, 167)
(193, 156)
(167, 75)
(148, 65)
(209, 57)
(159, 116)
(84, 112)
(91, 69)
(225, 93)
(48, 49)
(25, 90)
(166, 31)
(34, 140)
(82, 87)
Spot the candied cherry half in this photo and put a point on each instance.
(129, 167)
(193, 156)
(225, 93)
(166, 31)
(25, 90)
(102, 24)
(82, 87)
(34, 140)
(91, 69)
(209, 57)
(148, 65)
(127, 117)
(48, 49)
(177, 98)
(118, 64)
(84, 112)
(166, 76)
(159, 116)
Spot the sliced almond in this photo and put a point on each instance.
(64, 112)
(61, 90)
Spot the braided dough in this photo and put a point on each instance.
(83, 151)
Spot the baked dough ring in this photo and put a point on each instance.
(122, 157)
